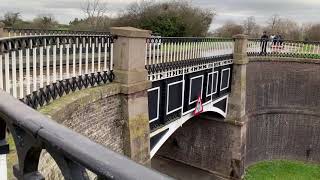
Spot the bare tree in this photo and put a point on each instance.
(273, 23)
(290, 29)
(251, 28)
(94, 11)
(11, 18)
(229, 29)
(249, 24)
(44, 21)
(312, 33)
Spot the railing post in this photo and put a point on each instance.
(237, 105)
(129, 68)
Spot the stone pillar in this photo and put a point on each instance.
(237, 100)
(1, 29)
(237, 105)
(130, 72)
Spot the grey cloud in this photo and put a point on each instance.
(236, 10)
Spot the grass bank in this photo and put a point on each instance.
(283, 170)
(12, 158)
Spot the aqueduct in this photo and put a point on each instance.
(137, 95)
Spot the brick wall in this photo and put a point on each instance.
(203, 143)
(283, 101)
(100, 121)
(94, 113)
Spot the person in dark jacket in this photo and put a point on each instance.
(264, 42)
(278, 40)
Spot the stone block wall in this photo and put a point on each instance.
(206, 144)
(283, 101)
(94, 113)
(101, 121)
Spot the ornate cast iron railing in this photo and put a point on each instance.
(164, 55)
(284, 48)
(73, 153)
(38, 69)
(13, 32)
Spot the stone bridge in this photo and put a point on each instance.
(211, 103)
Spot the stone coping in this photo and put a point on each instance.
(311, 111)
(240, 36)
(283, 59)
(130, 32)
(79, 99)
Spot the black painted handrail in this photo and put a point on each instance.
(73, 152)
(9, 44)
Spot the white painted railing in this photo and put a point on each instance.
(53, 64)
(13, 32)
(169, 50)
(284, 48)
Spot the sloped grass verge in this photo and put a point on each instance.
(283, 170)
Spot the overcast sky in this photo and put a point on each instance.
(302, 11)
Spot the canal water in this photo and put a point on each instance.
(181, 171)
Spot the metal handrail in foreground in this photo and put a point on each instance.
(73, 153)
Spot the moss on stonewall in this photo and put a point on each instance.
(80, 98)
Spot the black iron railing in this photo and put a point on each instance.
(164, 54)
(39, 69)
(73, 153)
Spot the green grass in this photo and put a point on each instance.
(283, 170)
(307, 48)
(311, 56)
(12, 158)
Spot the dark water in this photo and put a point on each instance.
(181, 171)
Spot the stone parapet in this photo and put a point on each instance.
(240, 49)
(130, 72)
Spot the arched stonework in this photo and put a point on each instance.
(283, 101)
(94, 113)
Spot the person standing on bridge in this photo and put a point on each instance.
(264, 42)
